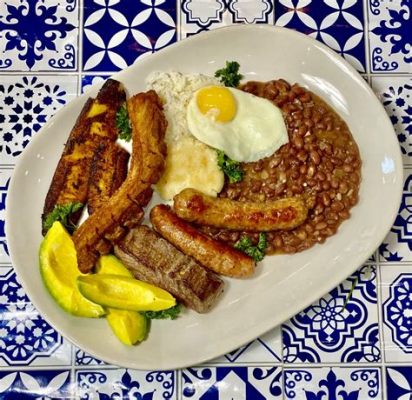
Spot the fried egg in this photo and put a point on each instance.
(246, 127)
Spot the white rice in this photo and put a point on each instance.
(176, 90)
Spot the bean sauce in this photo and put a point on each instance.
(321, 162)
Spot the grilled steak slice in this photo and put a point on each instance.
(153, 259)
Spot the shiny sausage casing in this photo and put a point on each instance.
(215, 255)
(194, 206)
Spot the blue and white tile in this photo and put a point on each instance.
(25, 337)
(39, 36)
(82, 358)
(397, 246)
(5, 175)
(117, 33)
(267, 348)
(26, 103)
(396, 294)
(340, 327)
(338, 24)
(333, 383)
(198, 16)
(399, 382)
(236, 383)
(38, 384)
(119, 383)
(390, 39)
(396, 96)
(89, 81)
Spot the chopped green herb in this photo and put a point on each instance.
(256, 252)
(229, 75)
(123, 123)
(170, 313)
(62, 213)
(231, 168)
(348, 297)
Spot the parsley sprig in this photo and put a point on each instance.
(232, 169)
(62, 212)
(256, 252)
(229, 75)
(170, 313)
(123, 123)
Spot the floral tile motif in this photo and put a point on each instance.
(83, 358)
(125, 384)
(210, 383)
(35, 384)
(198, 16)
(25, 105)
(89, 80)
(390, 39)
(340, 327)
(25, 337)
(38, 36)
(332, 383)
(338, 24)
(397, 246)
(396, 96)
(267, 348)
(397, 311)
(116, 33)
(398, 383)
(5, 175)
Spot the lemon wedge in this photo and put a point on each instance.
(130, 327)
(124, 293)
(58, 268)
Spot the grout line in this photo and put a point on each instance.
(366, 37)
(80, 48)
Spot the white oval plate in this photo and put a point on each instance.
(283, 285)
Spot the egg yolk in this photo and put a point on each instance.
(217, 102)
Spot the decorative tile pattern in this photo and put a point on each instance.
(25, 105)
(38, 36)
(396, 96)
(125, 384)
(83, 358)
(89, 80)
(396, 292)
(390, 38)
(340, 327)
(198, 16)
(332, 383)
(5, 175)
(338, 24)
(397, 246)
(33, 384)
(25, 338)
(116, 33)
(398, 383)
(209, 383)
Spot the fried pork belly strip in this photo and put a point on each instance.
(113, 219)
(152, 259)
(108, 171)
(194, 206)
(96, 122)
(213, 254)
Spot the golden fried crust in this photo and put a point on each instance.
(96, 122)
(112, 219)
(107, 173)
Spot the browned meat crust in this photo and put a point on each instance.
(111, 221)
(152, 259)
(107, 173)
(194, 206)
(96, 122)
(213, 254)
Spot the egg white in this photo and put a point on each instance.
(256, 131)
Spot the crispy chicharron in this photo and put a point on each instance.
(113, 219)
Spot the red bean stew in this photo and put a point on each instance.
(321, 162)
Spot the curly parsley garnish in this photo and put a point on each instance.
(230, 168)
(229, 75)
(123, 123)
(170, 313)
(62, 213)
(256, 252)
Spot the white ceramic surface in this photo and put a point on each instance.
(282, 285)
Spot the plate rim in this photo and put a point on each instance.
(316, 294)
